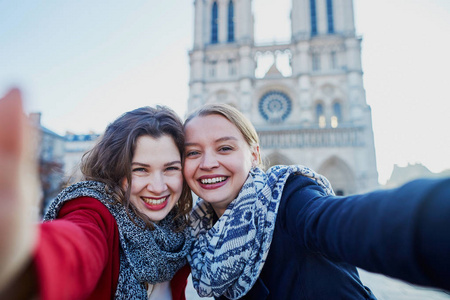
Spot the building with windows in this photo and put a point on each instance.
(59, 158)
(403, 174)
(309, 105)
(75, 147)
(50, 158)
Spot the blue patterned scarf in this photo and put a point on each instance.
(146, 256)
(228, 256)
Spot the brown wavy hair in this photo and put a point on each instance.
(109, 161)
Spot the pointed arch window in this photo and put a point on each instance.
(337, 115)
(313, 12)
(212, 69)
(330, 18)
(214, 23)
(231, 67)
(230, 21)
(316, 62)
(333, 59)
(320, 115)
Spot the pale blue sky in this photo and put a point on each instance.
(83, 63)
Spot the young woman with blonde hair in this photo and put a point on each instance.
(283, 234)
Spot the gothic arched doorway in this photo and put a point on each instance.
(340, 175)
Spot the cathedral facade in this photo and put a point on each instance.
(309, 107)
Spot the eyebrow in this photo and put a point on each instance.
(175, 162)
(222, 139)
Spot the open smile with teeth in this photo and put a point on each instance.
(154, 201)
(212, 180)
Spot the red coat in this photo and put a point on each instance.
(77, 255)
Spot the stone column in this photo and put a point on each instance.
(300, 19)
(223, 20)
(199, 30)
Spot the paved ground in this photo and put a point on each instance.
(383, 287)
(386, 288)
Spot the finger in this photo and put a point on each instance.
(11, 124)
(11, 142)
(17, 186)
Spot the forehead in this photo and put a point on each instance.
(211, 126)
(155, 148)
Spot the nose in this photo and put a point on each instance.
(209, 161)
(157, 184)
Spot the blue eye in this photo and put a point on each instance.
(191, 153)
(173, 169)
(225, 148)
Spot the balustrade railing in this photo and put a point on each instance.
(311, 137)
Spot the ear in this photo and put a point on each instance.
(256, 156)
(124, 183)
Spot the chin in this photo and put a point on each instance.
(158, 216)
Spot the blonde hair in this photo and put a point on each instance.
(233, 115)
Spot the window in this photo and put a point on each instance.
(214, 24)
(231, 67)
(275, 106)
(330, 16)
(212, 70)
(333, 59)
(316, 62)
(230, 21)
(312, 4)
(337, 115)
(320, 116)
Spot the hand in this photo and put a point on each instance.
(18, 188)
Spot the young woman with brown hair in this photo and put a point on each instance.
(121, 233)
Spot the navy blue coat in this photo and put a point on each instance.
(318, 240)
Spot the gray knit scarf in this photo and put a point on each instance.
(228, 256)
(146, 256)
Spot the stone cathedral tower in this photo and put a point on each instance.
(311, 111)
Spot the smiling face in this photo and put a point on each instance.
(218, 160)
(156, 176)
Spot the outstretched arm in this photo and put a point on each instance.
(402, 233)
(18, 190)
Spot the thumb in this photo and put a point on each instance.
(18, 187)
